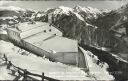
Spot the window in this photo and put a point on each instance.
(45, 31)
(50, 30)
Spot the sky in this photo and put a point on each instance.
(43, 5)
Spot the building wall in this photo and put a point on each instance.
(81, 60)
(73, 58)
(50, 18)
(41, 29)
(4, 37)
(34, 49)
(63, 57)
(13, 35)
(66, 57)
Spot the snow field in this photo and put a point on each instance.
(38, 65)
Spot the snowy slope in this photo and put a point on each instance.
(38, 65)
(12, 15)
(61, 10)
(97, 71)
(4, 73)
(89, 12)
(66, 10)
(59, 71)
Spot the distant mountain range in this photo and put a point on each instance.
(14, 14)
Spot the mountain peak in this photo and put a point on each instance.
(77, 8)
(87, 9)
(123, 9)
(63, 10)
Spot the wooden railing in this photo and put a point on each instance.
(24, 73)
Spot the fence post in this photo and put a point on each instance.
(25, 75)
(17, 77)
(18, 72)
(42, 76)
(5, 58)
(9, 65)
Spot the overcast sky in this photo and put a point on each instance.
(42, 5)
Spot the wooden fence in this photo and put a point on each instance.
(24, 73)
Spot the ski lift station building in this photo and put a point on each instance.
(44, 40)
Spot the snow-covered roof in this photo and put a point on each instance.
(26, 26)
(91, 12)
(14, 30)
(30, 29)
(50, 42)
(3, 32)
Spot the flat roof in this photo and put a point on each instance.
(3, 32)
(14, 29)
(26, 26)
(50, 42)
(31, 29)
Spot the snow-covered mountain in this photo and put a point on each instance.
(87, 12)
(91, 27)
(81, 12)
(12, 15)
(86, 24)
(78, 20)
